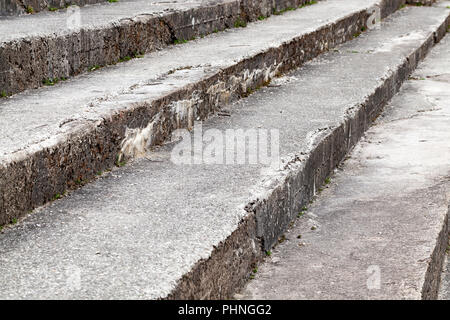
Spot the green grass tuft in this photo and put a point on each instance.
(56, 197)
(179, 41)
(240, 23)
(279, 12)
(126, 58)
(50, 81)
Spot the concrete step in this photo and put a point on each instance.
(50, 46)
(379, 230)
(62, 136)
(21, 7)
(167, 226)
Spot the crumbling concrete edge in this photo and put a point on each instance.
(272, 211)
(430, 288)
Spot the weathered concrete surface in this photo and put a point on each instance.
(66, 43)
(444, 292)
(155, 229)
(56, 136)
(385, 214)
(18, 7)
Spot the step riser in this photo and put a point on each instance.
(30, 180)
(75, 53)
(26, 63)
(440, 255)
(274, 213)
(390, 6)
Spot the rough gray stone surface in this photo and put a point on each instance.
(66, 43)
(155, 229)
(384, 217)
(421, 2)
(55, 137)
(444, 291)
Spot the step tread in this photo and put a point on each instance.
(137, 230)
(384, 213)
(40, 118)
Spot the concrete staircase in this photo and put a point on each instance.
(65, 134)
(119, 214)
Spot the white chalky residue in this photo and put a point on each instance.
(138, 140)
(185, 111)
